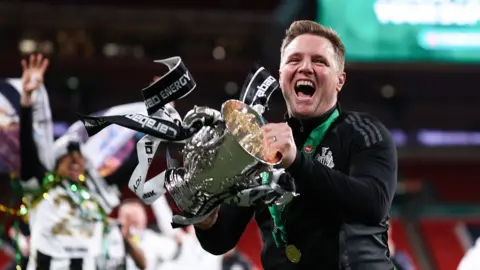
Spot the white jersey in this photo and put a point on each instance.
(193, 256)
(471, 260)
(58, 229)
(156, 248)
(163, 216)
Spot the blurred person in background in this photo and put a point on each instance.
(471, 259)
(60, 237)
(9, 128)
(400, 259)
(344, 165)
(131, 245)
(65, 217)
(20, 239)
(190, 254)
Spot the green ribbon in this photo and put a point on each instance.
(309, 148)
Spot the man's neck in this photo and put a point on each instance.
(327, 113)
(310, 123)
(321, 115)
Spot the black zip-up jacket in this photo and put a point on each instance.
(339, 219)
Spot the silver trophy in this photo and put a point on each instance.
(224, 156)
(221, 159)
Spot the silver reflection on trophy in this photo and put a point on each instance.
(220, 159)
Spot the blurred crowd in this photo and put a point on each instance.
(81, 220)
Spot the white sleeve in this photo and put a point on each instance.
(163, 216)
(151, 260)
(158, 249)
(471, 260)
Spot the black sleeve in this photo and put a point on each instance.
(24, 228)
(365, 195)
(30, 163)
(224, 235)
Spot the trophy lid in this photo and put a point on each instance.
(245, 125)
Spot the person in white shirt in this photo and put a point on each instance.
(471, 259)
(65, 219)
(68, 201)
(132, 225)
(191, 255)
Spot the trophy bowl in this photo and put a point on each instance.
(221, 160)
(245, 125)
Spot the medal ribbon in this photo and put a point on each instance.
(309, 148)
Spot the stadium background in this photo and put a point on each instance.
(416, 69)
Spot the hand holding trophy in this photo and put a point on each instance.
(224, 156)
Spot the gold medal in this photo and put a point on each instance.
(293, 254)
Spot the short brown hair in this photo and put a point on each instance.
(302, 27)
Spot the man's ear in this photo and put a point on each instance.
(342, 77)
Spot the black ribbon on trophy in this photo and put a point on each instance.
(223, 159)
(174, 85)
(258, 87)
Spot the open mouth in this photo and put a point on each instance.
(304, 89)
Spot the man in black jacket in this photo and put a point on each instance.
(344, 165)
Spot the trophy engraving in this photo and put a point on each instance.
(217, 159)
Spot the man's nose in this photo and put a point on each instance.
(306, 67)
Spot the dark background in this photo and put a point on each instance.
(102, 55)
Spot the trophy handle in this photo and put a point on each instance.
(196, 145)
(204, 115)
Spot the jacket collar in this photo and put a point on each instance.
(307, 125)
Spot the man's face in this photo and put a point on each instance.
(310, 76)
(72, 165)
(134, 215)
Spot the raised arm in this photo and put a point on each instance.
(32, 79)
